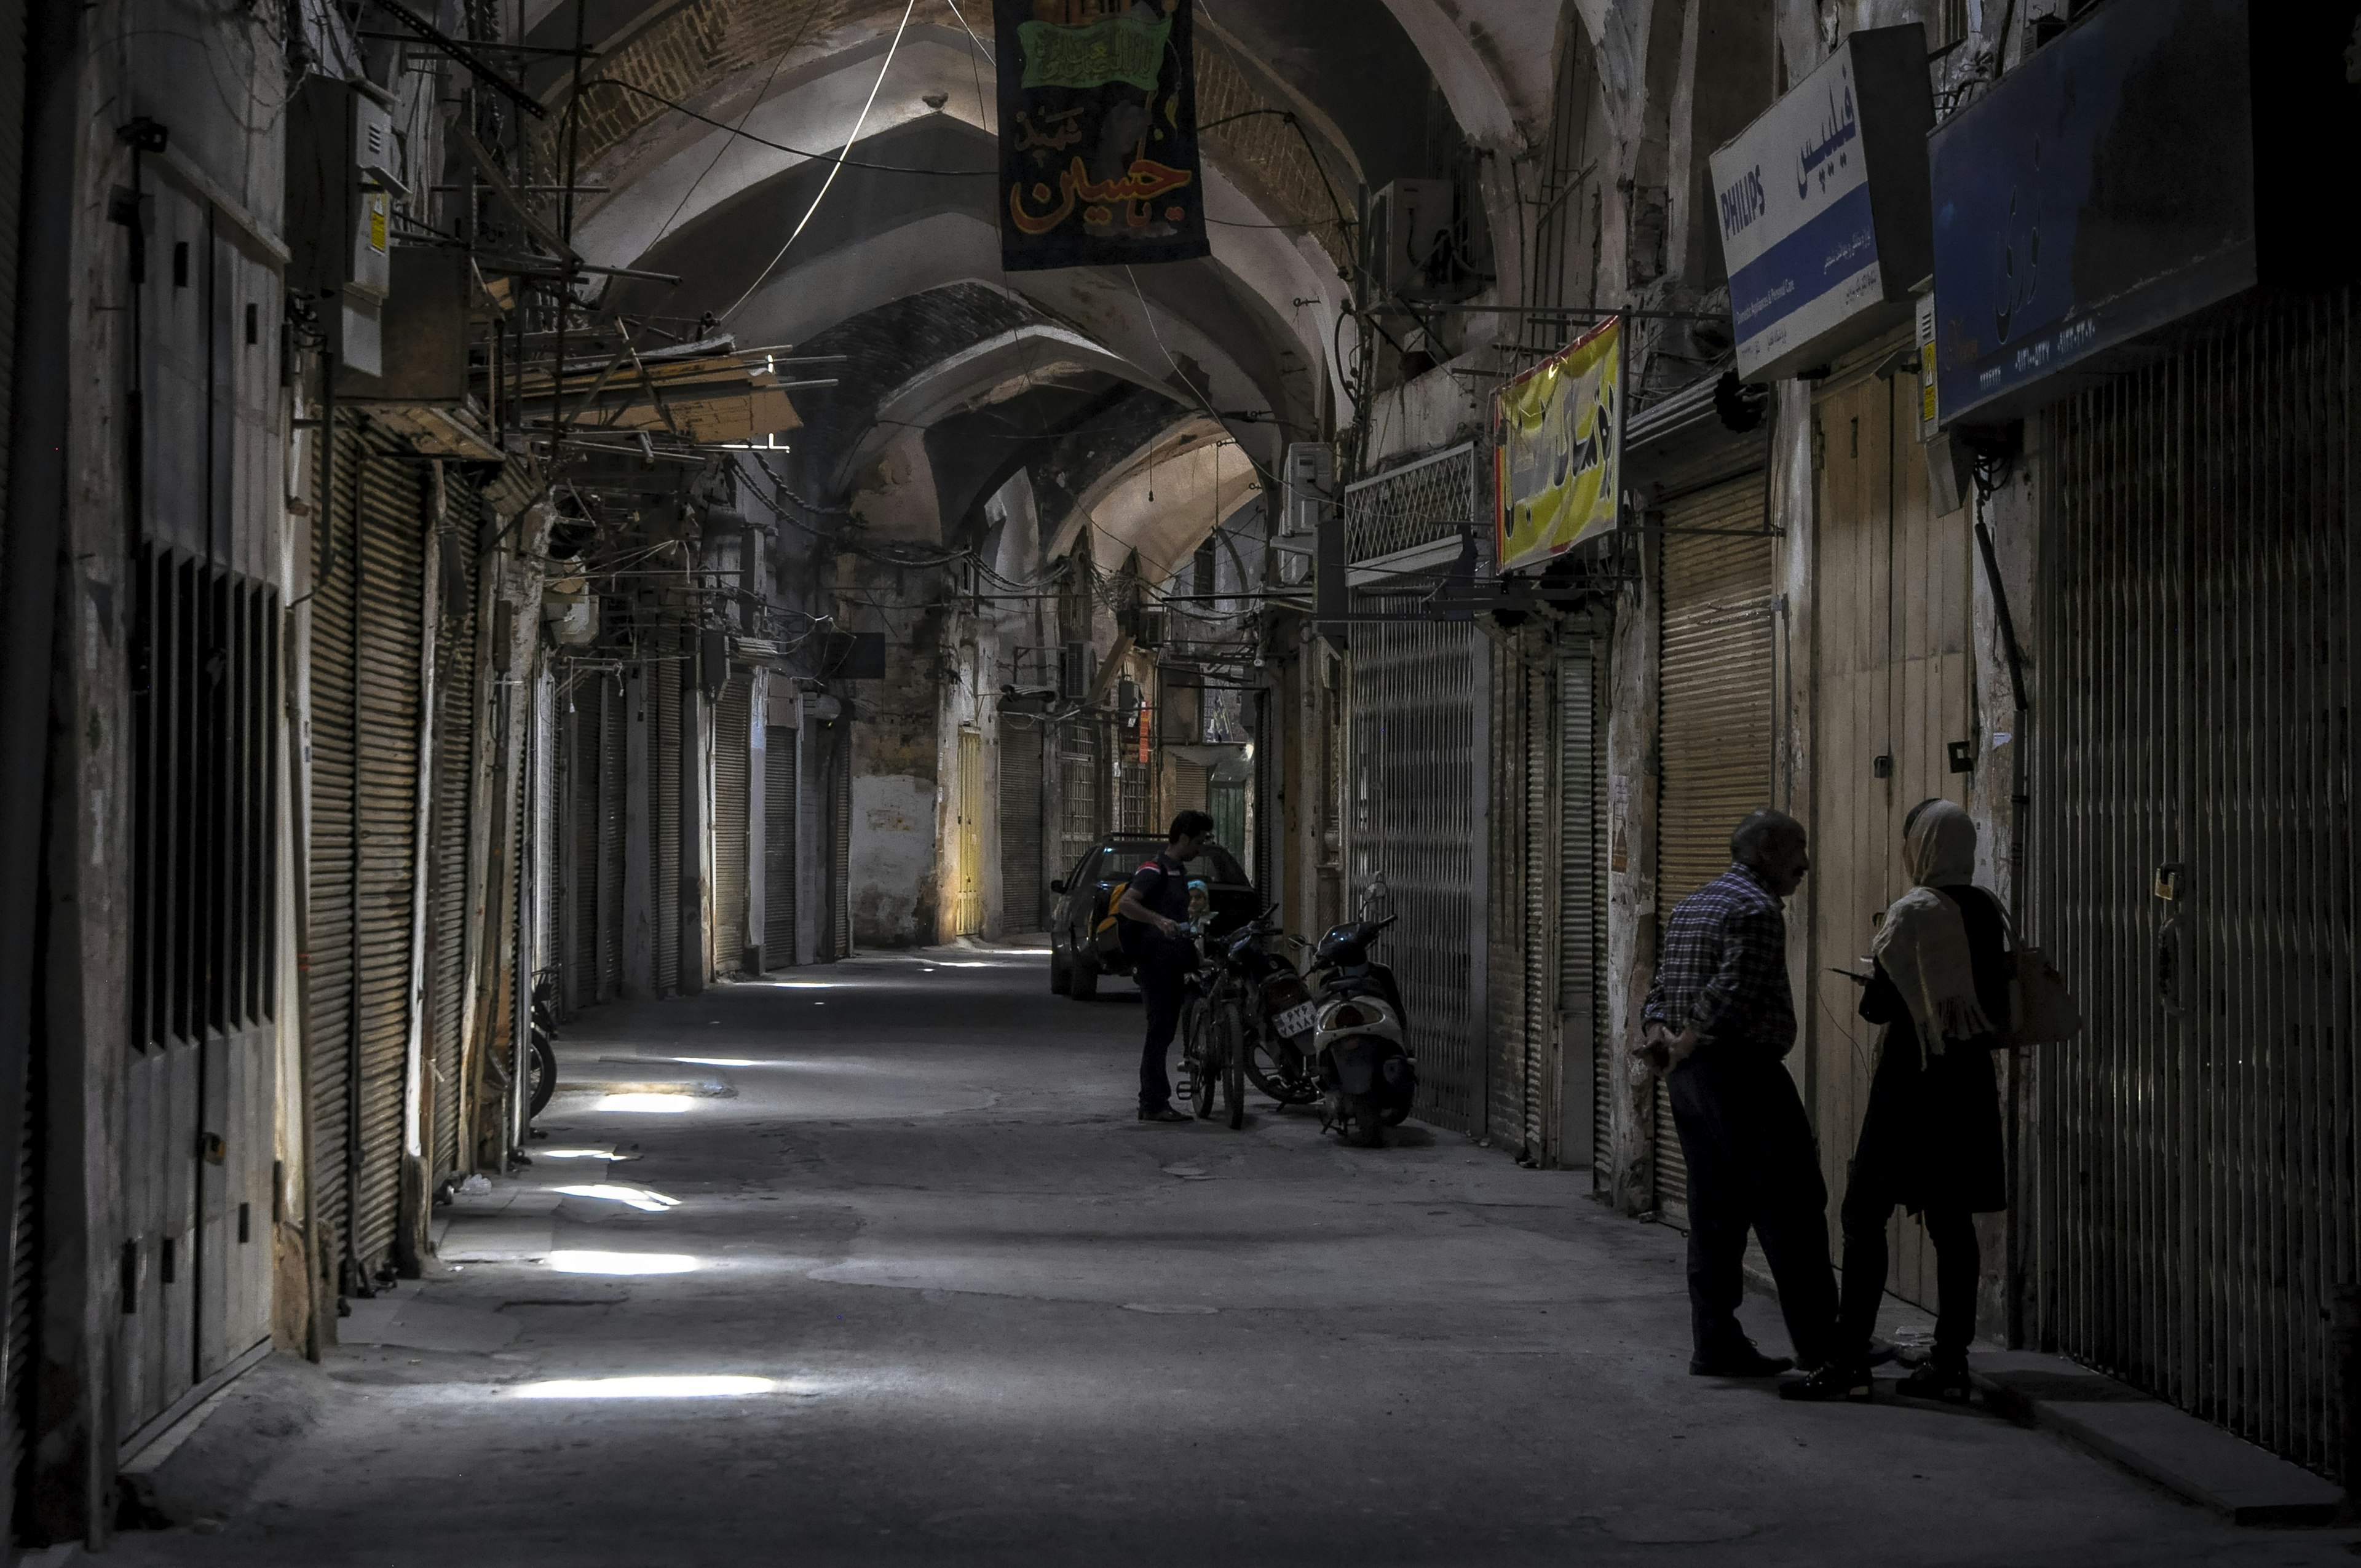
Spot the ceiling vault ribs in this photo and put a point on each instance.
(683, 57)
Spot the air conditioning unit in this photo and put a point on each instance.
(1412, 240)
(1147, 628)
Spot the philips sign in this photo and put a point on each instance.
(1823, 206)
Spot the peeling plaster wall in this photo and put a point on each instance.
(894, 887)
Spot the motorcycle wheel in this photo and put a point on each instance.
(1363, 1121)
(541, 1071)
(1269, 1070)
(1232, 1035)
(1199, 1043)
(1397, 1114)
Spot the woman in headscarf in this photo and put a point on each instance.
(1931, 1140)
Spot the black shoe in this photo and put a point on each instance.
(1937, 1381)
(1161, 1114)
(1851, 1383)
(1742, 1360)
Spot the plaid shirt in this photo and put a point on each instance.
(1724, 968)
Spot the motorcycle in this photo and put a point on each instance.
(541, 1059)
(1365, 1067)
(1275, 1011)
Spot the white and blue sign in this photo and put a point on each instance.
(1799, 208)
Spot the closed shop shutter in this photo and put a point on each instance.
(841, 886)
(614, 753)
(780, 806)
(1413, 819)
(1716, 718)
(456, 721)
(392, 575)
(734, 735)
(579, 701)
(968, 807)
(665, 765)
(1023, 884)
(1534, 1013)
(2197, 1191)
(12, 180)
(1581, 919)
(328, 940)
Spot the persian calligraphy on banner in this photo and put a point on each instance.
(1558, 429)
(1098, 133)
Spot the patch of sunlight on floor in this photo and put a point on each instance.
(622, 1261)
(709, 1385)
(659, 1104)
(637, 1197)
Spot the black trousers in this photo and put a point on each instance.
(1162, 971)
(1752, 1165)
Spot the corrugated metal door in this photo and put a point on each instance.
(332, 660)
(2197, 1183)
(1413, 819)
(22, 1264)
(1536, 1067)
(391, 568)
(1717, 717)
(733, 742)
(666, 765)
(456, 721)
(781, 784)
(967, 841)
(1022, 882)
(840, 890)
(1581, 915)
(614, 814)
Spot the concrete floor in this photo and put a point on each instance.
(995, 1321)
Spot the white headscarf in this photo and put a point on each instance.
(1922, 941)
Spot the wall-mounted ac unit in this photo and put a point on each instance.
(1411, 239)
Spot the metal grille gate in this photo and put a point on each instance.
(1715, 718)
(1024, 884)
(733, 739)
(2197, 1182)
(781, 781)
(667, 765)
(1415, 784)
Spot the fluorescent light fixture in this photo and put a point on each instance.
(637, 1197)
(574, 1154)
(715, 1061)
(665, 1104)
(709, 1385)
(622, 1262)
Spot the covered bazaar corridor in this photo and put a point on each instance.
(887, 1274)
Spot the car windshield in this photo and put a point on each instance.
(1118, 861)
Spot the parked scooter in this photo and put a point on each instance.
(541, 1058)
(1366, 1065)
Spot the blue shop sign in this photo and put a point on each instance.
(2104, 188)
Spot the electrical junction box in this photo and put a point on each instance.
(343, 175)
(1311, 487)
(1413, 250)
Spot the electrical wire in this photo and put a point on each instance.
(839, 159)
(826, 185)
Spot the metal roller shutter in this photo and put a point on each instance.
(2197, 1186)
(781, 782)
(1717, 719)
(1023, 884)
(392, 563)
(1535, 1065)
(328, 940)
(457, 714)
(664, 765)
(19, 1305)
(1581, 907)
(734, 735)
(840, 890)
(613, 809)
(579, 752)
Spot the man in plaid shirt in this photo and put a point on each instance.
(1717, 1021)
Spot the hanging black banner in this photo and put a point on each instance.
(1098, 133)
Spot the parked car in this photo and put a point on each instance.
(1083, 941)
